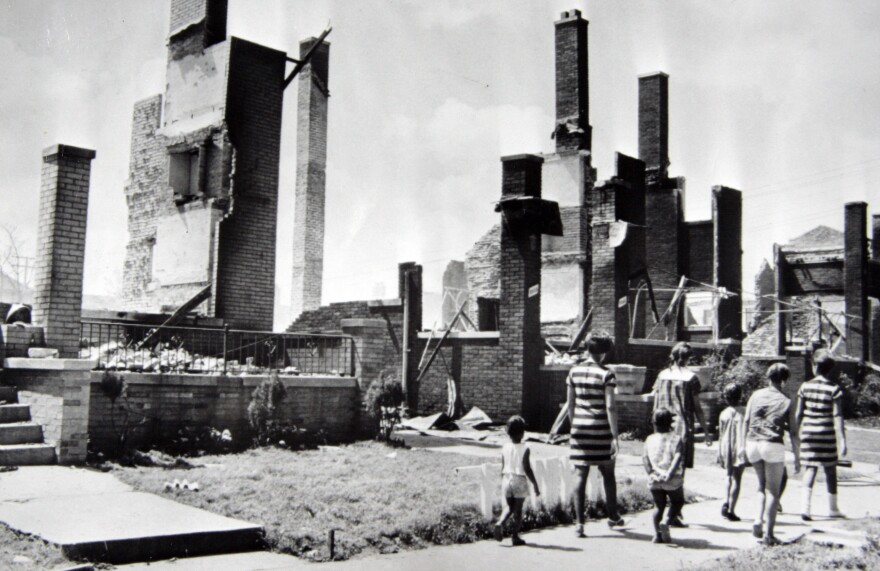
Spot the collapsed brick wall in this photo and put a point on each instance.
(477, 366)
(245, 284)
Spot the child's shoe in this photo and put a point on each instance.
(498, 532)
(733, 517)
(579, 530)
(664, 533)
(758, 530)
(612, 523)
(676, 522)
(517, 540)
(770, 541)
(724, 512)
(658, 538)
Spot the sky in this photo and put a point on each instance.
(777, 99)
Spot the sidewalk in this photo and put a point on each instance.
(708, 537)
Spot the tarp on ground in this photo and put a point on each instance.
(423, 423)
(475, 419)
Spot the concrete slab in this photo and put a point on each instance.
(94, 516)
(31, 482)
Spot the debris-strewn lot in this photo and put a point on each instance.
(379, 499)
(26, 552)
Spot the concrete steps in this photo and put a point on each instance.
(21, 441)
(14, 413)
(27, 454)
(21, 433)
(8, 395)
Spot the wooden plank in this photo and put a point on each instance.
(179, 314)
(582, 331)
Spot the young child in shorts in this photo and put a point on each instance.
(662, 459)
(516, 473)
(732, 448)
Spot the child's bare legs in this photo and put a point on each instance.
(516, 506)
(507, 509)
(659, 508)
(676, 500)
(580, 493)
(733, 486)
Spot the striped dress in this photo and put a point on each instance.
(818, 437)
(590, 430)
(676, 388)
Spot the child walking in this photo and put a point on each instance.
(662, 459)
(516, 473)
(732, 448)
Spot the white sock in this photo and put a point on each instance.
(832, 505)
(806, 495)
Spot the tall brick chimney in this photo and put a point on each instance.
(855, 283)
(727, 258)
(654, 123)
(195, 25)
(520, 291)
(311, 166)
(58, 276)
(573, 131)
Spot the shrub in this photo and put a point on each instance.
(749, 375)
(868, 403)
(263, 408)
(384, 399)
(112, 385)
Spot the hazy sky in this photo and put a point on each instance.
(778, 99)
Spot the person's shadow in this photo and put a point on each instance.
(548, 547)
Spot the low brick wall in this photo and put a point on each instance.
(76, 414)
(159, 405)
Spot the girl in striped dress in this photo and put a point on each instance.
(593, 413)
(820, 418)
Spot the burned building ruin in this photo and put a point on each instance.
(202, 193)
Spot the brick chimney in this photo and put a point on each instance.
(195, 25)
(573, 131)
(520, 291)
(855, 286)
(58, 276)
(727, 258)
(311, 167)
(654, 122)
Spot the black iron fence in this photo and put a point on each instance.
(148, 348)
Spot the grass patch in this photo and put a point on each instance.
(25, 552)
(806, 556)
(377, 503)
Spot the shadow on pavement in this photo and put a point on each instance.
(549, 547)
